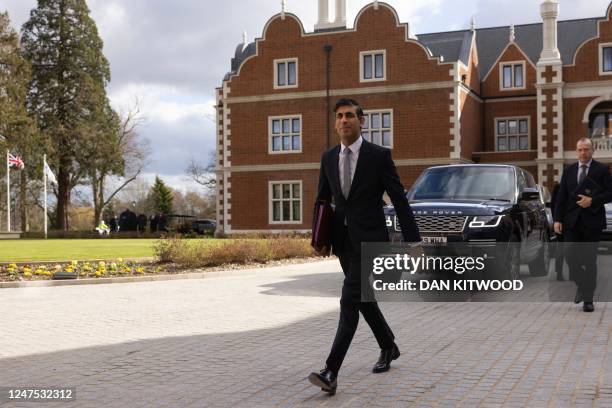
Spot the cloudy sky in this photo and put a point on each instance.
(172, 54)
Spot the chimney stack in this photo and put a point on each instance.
(340, 16)
(549, 10)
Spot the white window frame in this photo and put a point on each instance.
(601, 59)
(518, 119)
(275, 66)
(362, 70)
(380, 111)
(270, 134)
(501, 75)
(271, 200)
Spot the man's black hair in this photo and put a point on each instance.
(349, 102)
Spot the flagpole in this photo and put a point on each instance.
(8, 193)
(45, 189)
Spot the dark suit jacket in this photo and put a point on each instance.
(566, 209)
(375, 173)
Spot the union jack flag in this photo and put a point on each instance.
(15, 161)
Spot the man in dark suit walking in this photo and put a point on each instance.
(580, 216)
(354, 175)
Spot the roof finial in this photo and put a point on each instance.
(375, 5)
(473, 24)
(512, 34)
(283, 5)
(244, 37)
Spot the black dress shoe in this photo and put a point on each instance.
(588, 307)
(325, 379)
(384, 361)
(578, 298)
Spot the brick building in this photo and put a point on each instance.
(518, 94)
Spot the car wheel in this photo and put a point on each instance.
(539, 266)
(508, 262)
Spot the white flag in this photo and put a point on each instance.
(49, 173)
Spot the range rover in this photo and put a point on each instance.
(481, 205)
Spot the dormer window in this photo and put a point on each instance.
(512, 75)
(286, 73)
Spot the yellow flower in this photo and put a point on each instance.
(120, 260)
(101, 264)
(140, 270)
(12, 265)
(69, 269)
(27, 274)
(74, 263)
(98, 273)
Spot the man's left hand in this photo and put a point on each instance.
(585, 201)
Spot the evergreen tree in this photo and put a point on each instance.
(161, 196)
(67, 92)
(19, 129)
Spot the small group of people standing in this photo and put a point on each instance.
(128, 221)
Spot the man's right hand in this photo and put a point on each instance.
(558, 228)
(323, 251)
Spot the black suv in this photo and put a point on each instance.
(481, 205)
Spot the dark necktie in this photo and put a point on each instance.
(346, 177)
(583, 173)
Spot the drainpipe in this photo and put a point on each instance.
(327, 48)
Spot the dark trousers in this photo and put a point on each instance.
(350, 306)
(581, 245)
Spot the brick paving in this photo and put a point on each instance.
(252, 340)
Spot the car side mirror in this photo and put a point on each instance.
(530, 194)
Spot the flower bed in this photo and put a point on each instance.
(101, 269)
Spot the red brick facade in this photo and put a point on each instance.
(442, 110)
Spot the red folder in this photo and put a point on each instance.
(322, 225)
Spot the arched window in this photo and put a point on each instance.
(600, 126)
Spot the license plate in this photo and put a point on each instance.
(434, 240)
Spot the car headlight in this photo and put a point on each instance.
(485, 221)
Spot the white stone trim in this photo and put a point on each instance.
(342, 92)
(587, 89)
(511, 99)
(455, 119)
(316, 166)
(592, 104)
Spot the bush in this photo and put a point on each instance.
(239, 251)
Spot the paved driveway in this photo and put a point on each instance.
(252, 340)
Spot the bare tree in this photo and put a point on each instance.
(203, 175)
(131, 152)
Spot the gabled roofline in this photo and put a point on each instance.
(303, 33)
(496, 62)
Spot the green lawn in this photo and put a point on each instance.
(25, 250)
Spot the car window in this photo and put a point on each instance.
(464, 182)
(529, 178)
(521, 180)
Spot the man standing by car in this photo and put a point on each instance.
(580, 216)
(354, 175)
